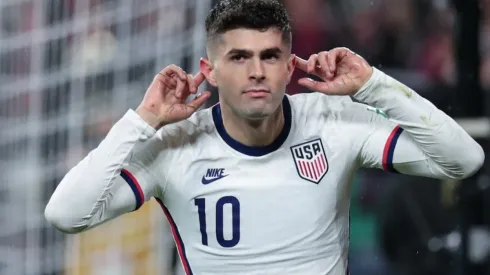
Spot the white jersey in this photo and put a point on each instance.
(277, 209)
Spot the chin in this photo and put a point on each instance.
(258, 113)
(257, 116)
(256, 109)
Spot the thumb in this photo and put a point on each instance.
(198, 101)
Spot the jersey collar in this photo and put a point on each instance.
(255, 151)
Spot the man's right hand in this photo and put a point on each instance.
(165, 99)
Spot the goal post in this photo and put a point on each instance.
(68, 70)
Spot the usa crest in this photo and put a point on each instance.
(311, 160)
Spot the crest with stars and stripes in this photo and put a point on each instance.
(311, 160)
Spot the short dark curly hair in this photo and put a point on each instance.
(249, 14)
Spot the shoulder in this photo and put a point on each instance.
(333, 108)
(321, 105)
(318, 101)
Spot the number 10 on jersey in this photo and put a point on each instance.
(235, 219)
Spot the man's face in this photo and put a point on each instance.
(251, 70)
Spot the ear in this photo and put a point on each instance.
(207, 70)
(291, 66)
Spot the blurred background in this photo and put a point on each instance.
(70, 68)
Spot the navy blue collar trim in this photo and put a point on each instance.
(254, 151)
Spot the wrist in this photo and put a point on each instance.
(149, 117)
(369, 85)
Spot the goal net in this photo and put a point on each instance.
(68, 70)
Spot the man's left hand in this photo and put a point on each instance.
(343, 72)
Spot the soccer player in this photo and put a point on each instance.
(259, 183)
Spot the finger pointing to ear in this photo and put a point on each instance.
(301, 64)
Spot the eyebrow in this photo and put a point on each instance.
(271, 51)
(268, 51)
(239, 52)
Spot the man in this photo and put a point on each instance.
(259, 183)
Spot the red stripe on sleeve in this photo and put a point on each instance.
(137, 184)
(387, 147)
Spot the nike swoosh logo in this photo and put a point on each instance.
(208, 181)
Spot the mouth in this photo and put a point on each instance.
(257, 92)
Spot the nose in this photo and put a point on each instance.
(257, 71)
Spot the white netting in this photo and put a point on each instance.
(68, 70)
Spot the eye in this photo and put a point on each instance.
(270, 56)
(238, 57)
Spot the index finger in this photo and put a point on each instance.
(174, 69)
(199, 79)
(301, 64)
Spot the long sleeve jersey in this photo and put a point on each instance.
(276, 209)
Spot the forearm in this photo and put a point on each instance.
(93, 191)
(444, 143)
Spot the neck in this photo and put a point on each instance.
(253, 132)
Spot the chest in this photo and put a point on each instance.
(292, 194)
(305, 172)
